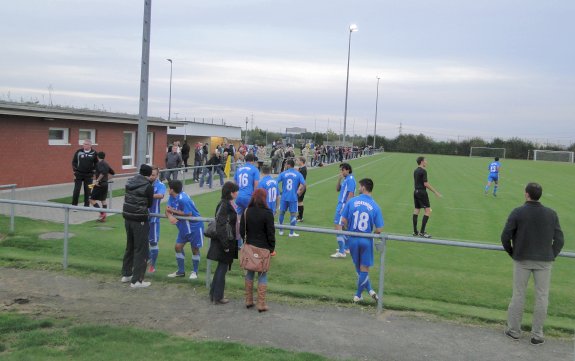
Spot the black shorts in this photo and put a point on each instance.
(99, 193)
(420, 199)
(300, 198)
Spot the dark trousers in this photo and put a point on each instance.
(219, 282)
(197, 169)
(81, 179)
(137, 248)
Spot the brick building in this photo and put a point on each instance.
(37, 142)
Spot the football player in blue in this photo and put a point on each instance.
(246, 177)
(362, 214)
(293, 185)
(346, 188)
(494, 168)
(271, 187)
(154, 236)
(180, 204)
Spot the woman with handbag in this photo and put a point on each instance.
(224, 247)
(258, 231)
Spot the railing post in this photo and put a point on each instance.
(382, 248)
(12, 207)
(66, 236)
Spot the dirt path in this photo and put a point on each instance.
(331, 331)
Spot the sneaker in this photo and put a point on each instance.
(415, 234)
(281, 232)
(152, 269)
(126, 279)
(374, 295)
(300, 219)
(536, 341)
(347, 251)
(141, 284)
(294, 234)
(424, 235)
(338, 255)
(193, 276)
(357, 299)
(510, 335)
(176, 274)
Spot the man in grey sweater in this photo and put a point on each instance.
(533, 238)
(173, 160)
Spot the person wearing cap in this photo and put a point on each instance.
(139, 197)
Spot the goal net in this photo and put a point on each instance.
(553, 155)
(487, 152)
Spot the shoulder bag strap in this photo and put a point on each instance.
(246, 225)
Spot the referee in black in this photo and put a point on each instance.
(303, 170)
(420, 197)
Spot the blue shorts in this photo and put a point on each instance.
(196, 238)
(493, 178)
(337, 215)
(361, 250)
(242, 203)
(273, 207)
(288, 205)
(154, 235)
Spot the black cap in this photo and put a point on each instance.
(145, 170)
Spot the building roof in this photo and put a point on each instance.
(60, 112)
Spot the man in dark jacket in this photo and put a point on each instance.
(185, 153)
(533, 238)
(139, 197)
(214, 164)
(83, 165)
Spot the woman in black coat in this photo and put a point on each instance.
(257, 229)
(224, 247)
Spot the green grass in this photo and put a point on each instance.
(25, 338)
(448, 281)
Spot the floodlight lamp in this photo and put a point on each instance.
(353, 28)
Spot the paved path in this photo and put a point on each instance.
(339, 333)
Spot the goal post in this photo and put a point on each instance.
(553, 155)
(487, 152)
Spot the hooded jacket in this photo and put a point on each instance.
(139, 197)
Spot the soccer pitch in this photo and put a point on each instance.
(449, 281)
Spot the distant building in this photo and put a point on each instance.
(212, 133)
(37, 142)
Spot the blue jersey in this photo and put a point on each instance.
(183, 202)
(159, 188)
(290, 180)
(347, 185)
(362, 214)
(271, 187)
(245, 177)
(494, 168)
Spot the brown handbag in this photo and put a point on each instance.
(253, 258)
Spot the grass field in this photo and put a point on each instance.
(453, 282)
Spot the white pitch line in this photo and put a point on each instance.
(337, 175)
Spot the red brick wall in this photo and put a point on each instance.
(27, 160)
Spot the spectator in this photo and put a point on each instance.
(100, 190)
(214, 164)
(173, 160)
(197, 161)
(185, 153)
(139, 197)
(257, 229)
(224, 248)
(533, 238)
(83, 164)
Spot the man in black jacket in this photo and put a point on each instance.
(139, 197)
(83, 165)
(533, 238)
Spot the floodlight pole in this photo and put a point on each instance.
(144, 81)
(375, 123)
(352, 28)
(170, 101)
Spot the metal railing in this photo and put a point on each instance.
(12, 197)
(381, 246)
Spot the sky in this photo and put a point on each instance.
(449, 69)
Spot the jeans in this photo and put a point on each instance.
(171, 174)
(208, 171)
(197, 169)
(541, 275)
(219, 282)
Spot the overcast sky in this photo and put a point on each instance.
(449, 68)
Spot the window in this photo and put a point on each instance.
(150, 148)
(58, 136)
(87, 134)
(129, 150)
